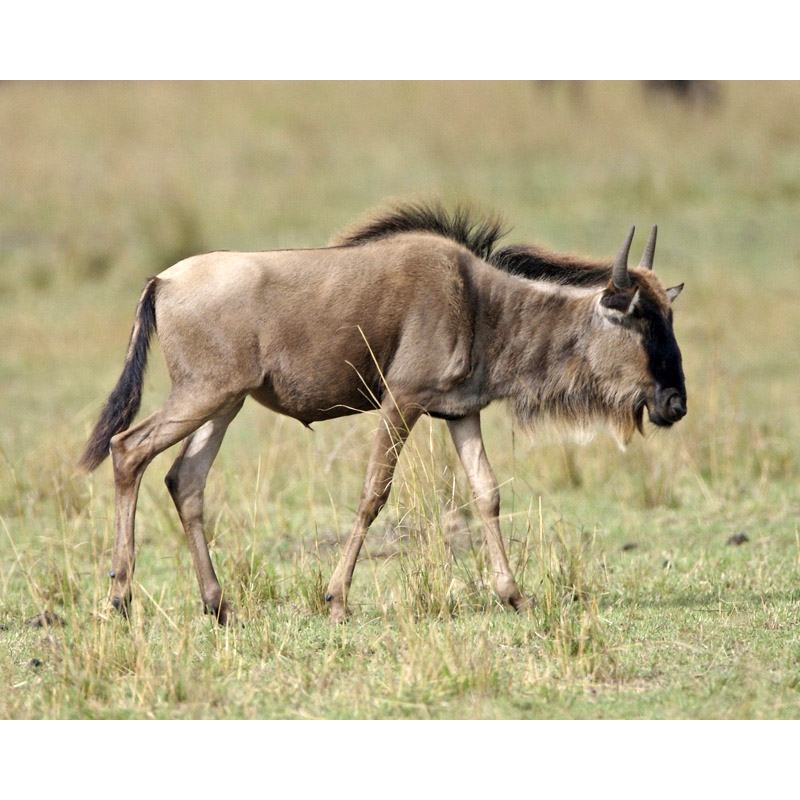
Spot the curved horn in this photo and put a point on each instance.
(620, 276)
(649, 250)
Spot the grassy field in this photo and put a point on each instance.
(645, 607)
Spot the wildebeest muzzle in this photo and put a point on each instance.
(669, 407)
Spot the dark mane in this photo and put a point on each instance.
(536, 263)
(479, 235)
(463, 226)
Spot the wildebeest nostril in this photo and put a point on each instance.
(676, 406)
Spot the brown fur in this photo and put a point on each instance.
(399, 317)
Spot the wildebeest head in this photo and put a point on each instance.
(637, 303)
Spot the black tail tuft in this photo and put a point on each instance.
(124, 401)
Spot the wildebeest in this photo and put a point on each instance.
(700, 93)
(413, 312)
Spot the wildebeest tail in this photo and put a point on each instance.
(124, 401)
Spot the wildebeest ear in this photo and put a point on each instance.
(619, 304)
(674, 291)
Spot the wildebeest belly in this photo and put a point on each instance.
(323, 377)
(310, 410)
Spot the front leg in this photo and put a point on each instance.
(389, 439)
(466, 434)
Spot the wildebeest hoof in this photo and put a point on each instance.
(522, 605)
(122, 604)
(339, 613)
(223, 614)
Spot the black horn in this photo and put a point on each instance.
(620, 276)
(649, 250)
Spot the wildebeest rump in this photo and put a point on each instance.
(413, 312)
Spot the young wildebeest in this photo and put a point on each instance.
(412, 313)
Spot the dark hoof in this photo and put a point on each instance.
(328, 598)
(222, 614)
(122, 605)
(522, 605)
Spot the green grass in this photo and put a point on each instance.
(643, 608)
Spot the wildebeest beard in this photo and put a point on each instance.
(580, 412)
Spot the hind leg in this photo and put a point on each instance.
(186, 482)
(131, 452)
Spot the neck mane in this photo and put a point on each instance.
(479, 234)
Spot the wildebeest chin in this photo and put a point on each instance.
(414, 311)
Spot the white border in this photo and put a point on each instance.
(409, 40)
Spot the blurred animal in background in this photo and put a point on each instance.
(699, 94)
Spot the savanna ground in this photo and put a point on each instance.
(644, 607)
